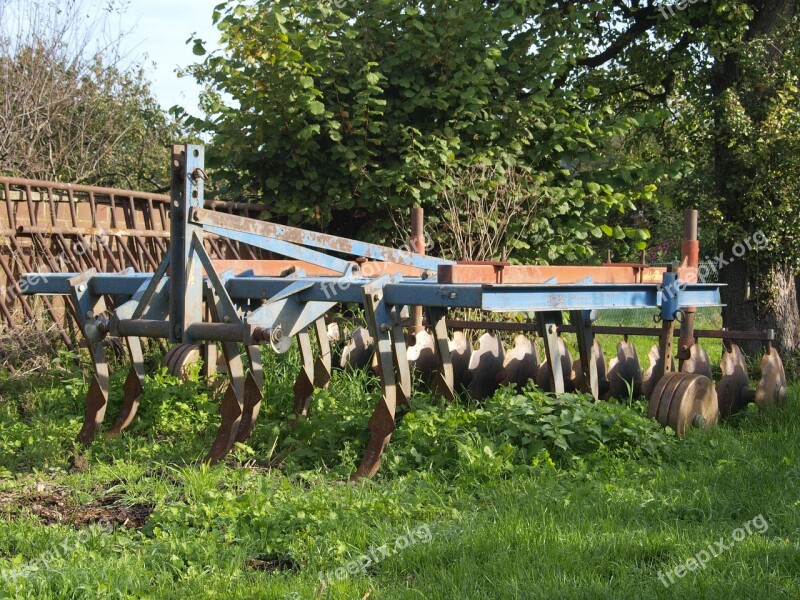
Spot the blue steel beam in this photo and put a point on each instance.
(283, 248)
(259, 230)
(497, 298)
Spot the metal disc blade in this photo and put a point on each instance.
(697, 362)
(422, 355)
(625, 372)
(183, 357)
(771, 387)
(358, 353)
(733, 385)
(694, 404)
(648, 379)
(522, 362)
(460, 355)
(486, 367)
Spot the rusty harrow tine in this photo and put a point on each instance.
(381, 424)
(304, 384)
(324, 364)
(400, 357)
(133, 388)
(591, 360)
(86, 306)
(253, 393)
(232, 406)
(444, 378)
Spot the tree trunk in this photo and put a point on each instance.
(742, 312)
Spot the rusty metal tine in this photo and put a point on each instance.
(113, 213)
(12, 221)
(253, 393)
(400, 357)
(444, 379)
(29, 199)
(323, 366)
(232, 406)
(304, 384)
(85, 306)
(134, 387)
(381, 424)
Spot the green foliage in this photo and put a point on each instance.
(342, 119)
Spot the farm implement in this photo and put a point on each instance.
(198, 304)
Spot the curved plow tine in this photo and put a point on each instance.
(85, 306)
(522, 362)
(324, 364)
(133, 388)
(304, 384)
(697, 362)
(233, 403)
(253, 393)
(733, 393)
(400, 357)
(486, 367)
(381, 424)
(649, 379)
(444, 380)
(625, 372)
(358, 353)
(771, 387)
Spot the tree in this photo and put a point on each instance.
(341, 119)
(70, 110)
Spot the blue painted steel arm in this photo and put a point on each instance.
(499, 298)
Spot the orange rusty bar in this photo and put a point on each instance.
(495, 273)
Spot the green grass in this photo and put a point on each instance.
(524, 497)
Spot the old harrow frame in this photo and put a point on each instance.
(190, 299)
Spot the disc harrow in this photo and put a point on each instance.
(200, 305)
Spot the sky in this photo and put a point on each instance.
(157, 31)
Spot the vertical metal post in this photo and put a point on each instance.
(582, 319)
(417, 245)
(690, 258)
(186, 273)
(548, 323)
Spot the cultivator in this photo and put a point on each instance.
(197, 303)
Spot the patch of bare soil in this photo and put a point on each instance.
(53, 505)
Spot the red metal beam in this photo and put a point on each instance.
(494, 273)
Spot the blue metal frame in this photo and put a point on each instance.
(287, 305)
